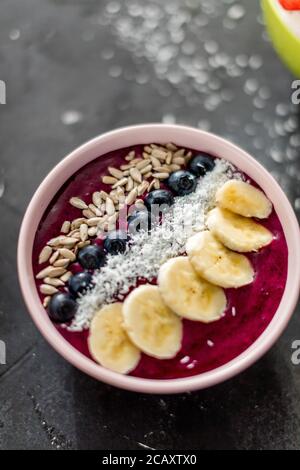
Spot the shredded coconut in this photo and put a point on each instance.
(148, 251)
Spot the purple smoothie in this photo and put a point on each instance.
(249, 311)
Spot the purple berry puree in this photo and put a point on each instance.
(205, 347)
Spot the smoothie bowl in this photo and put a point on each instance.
(160, 259)
(282, 19)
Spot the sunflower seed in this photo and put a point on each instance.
(188, 157)
(142, 188)
(146, 156)
(48, 290)
(75, 233)
(113, 218)
(54, 257)
(120, 193)
(84, 232)
(161, 176)
(96, 198)
(130, 156)
(178, 160)
(46, 301)
(67, 254)
(78, 203)
(95, 210)
(83, 244)
(155, 162)
(45, 254)
(88, 214)
(169, 158)
(151, 185)
(56, 241)
(156, 184)
(53, 281)
(66, 276)
(179, 153)
(125, 167)
(135, 175)
(109, 206)
(92, 231)
(135, 161)
(92, 223)
(129, 185)
(147, 175)
(160, 154)
(163, 169)
(77, 222)
(174, 167)
(147, 149)
(113, 196)
(143, 163)
(65, 228)
(103, 219)
(50, 271)
(131, 197)
(171, 146)
(69, 242)
(119, 183)
(61, 263)
(115, 172)
(109, 180)
(146, 170)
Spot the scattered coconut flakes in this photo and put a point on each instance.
(185, 360)
(148, 251)
(233, 311)
(210, 343)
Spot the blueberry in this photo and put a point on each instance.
(115, 242)
(62, 307)
(79, 283)
(161, 198)
(201, 164)
(140, 220)
(182, 182)
(91, 257)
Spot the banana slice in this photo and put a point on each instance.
(216, 264)
(244, 199)
(108, 341)
(187, 294)
(237, 232)
(150, 324)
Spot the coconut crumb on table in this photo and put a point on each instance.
(148, 251)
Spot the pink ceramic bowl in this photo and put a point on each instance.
(186, 137)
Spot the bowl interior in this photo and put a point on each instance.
(183, 136)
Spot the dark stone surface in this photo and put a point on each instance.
(62, 55)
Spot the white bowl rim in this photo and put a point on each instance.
(142, 134)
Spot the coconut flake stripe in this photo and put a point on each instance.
(148, 251)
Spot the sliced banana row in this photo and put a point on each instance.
(143, 323)
(191, 287)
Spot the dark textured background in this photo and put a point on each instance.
(74, 69)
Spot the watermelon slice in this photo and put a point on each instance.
(291, 5)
